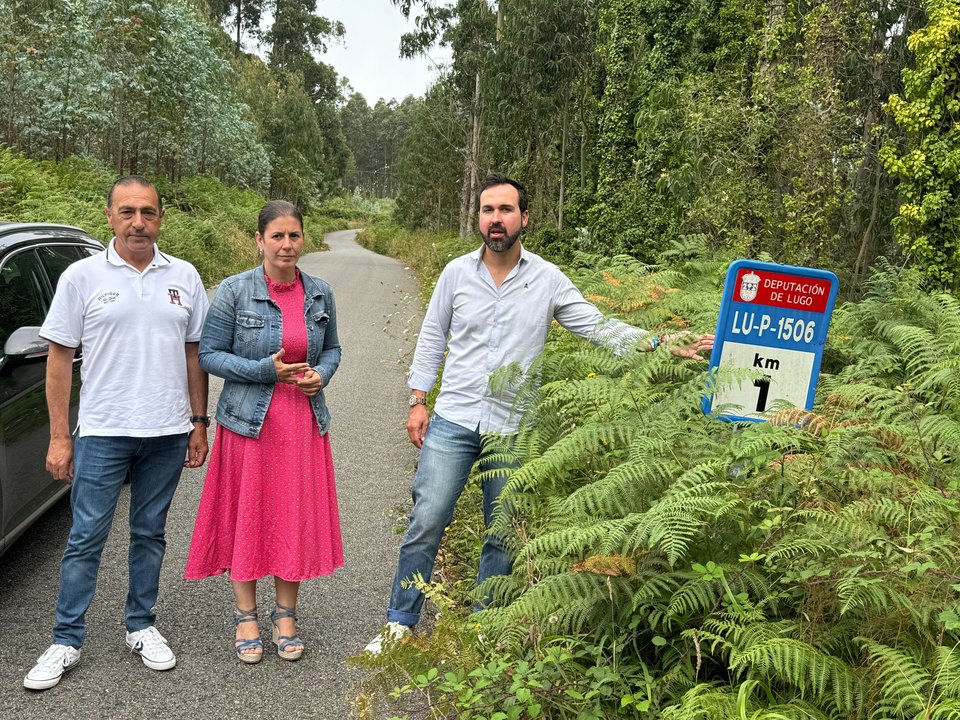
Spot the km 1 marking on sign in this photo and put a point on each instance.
(773, 321)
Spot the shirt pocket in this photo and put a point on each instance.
(249, 328)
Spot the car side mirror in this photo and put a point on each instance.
(23, 346)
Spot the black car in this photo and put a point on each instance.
(32, 257)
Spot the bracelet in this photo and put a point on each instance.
(205, 419)
(654, 342)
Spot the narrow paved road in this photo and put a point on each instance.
(378, 314)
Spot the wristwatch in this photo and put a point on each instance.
(414, 400)
(205, 419)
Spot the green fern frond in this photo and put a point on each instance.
(805, 667)
(794, 547)
(629, 487)
(696, 597)
(949, 710)
(903, 682)
(872, 595)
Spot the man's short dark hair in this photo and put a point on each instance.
(494, 179)
(140, 180)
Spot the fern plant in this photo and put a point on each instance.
(801, 568)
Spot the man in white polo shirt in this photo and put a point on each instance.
(137, 312)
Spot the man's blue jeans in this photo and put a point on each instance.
(100, 466)
(449, 452)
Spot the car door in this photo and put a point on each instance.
(27, 280)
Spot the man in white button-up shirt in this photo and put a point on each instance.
(491, 308)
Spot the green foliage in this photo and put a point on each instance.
(140, 86)
(799, 568)
(374, 135)
(754, 126)
(153, 87)
(207, 223)
(429, 192)
(358, 209)
(927, 160)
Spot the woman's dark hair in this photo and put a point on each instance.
(494, 179)
(277, 209)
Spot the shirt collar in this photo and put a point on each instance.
(477, 255)
(114, 258)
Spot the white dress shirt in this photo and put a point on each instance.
(483, 328)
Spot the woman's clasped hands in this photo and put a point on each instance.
(300, 374)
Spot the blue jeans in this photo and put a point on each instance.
(100, 466)
(449, 452)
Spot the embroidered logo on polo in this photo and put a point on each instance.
(108, 297)
(174, 296)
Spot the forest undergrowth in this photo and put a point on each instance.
(671, 565)
(206, 222)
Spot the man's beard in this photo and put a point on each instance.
(501, 244)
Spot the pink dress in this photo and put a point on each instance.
(269, 505)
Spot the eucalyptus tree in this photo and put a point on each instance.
(57, 83)
(297, 147)
(355, 119)
(296, 34)
(375, 136)
(429, 188)
(469, 28)
(247, 16)
(539, 86)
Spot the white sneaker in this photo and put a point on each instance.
(392, 632)
(51, 666)
(152, 648)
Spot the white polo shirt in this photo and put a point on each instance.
(132, 326)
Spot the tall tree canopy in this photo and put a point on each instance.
(639, 123)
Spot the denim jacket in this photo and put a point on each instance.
(242, 331)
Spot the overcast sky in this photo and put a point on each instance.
(370, 54)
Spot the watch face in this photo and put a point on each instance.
(414, 400)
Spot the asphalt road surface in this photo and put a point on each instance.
(378, 315)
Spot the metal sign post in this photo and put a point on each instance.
(773, 319)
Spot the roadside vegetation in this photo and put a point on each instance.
(670, 565)
(206, 222)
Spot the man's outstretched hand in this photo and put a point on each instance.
(687, 344)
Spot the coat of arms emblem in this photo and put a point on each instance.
(749, 284)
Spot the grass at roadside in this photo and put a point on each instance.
(207, 223)
(426, 253)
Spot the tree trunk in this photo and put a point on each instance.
(121, 147)
(11, 136)
(776, 12)
(239, 11)
(563, 160)
(861, 262)
(584, 137)
(60, 150)
(203, 151)
(470, 165)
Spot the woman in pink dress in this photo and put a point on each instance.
(269, 504)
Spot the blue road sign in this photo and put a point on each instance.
(773, 319)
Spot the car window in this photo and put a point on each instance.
(56, 258)
(21, 293)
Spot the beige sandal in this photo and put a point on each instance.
(283, 642)
(252, 644)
